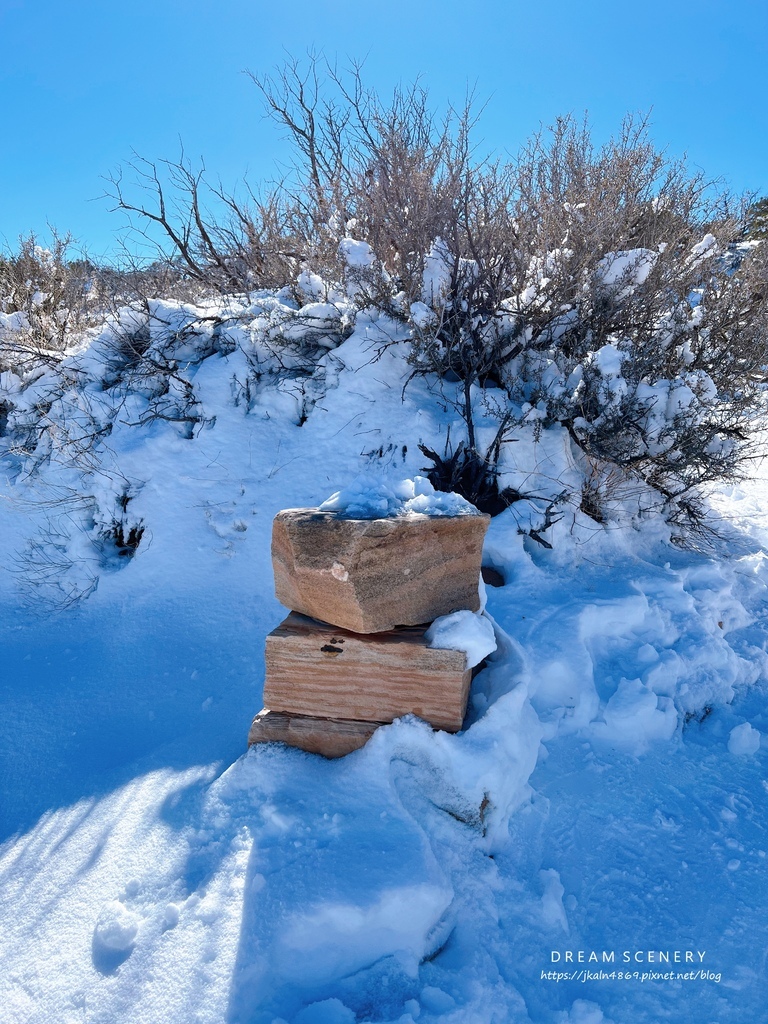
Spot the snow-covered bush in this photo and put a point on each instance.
(605, 291)
(602, 292)
(44, 298)
(597, 288)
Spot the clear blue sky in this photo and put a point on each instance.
(84, 83)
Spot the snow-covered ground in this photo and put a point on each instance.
(607, 796)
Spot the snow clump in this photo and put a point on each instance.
(356, 254)
(744, 740)
(369, 497)
(117, 927)
(471, 632)
(583, 1011)
(630, 268)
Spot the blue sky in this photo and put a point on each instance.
(83, 84)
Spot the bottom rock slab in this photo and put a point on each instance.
(331, 737)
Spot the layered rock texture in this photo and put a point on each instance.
(370, 575)
(352, 655)
(314, 669)
(327, 736)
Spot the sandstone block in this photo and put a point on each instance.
(320, 670)
(327, 736)
(370, 575)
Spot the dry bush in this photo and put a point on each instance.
(601, 286)
(245, 244)
(46, 297)
(384, 172)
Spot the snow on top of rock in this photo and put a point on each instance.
(370, 497)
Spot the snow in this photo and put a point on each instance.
(608, 360)
(464, 631)
(635, 716)
(706, 247)
(436, 278)
(356, 254)
(116, 928)
(583, 1012)
(629, 269)
(370, 497)
(744, 740)
(421, 315)
(607, 790)
(312, 285)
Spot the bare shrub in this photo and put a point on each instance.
(516, 274)
(246, 244)
(756, 227)
(600, 287)
(384, 172)
(46, 296)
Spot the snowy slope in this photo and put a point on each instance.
(598, 798)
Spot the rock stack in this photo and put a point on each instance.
(352, 654)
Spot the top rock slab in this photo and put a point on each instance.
(370, 575)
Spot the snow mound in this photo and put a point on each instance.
(327, 1011)
(355, 253)
(471, 632)
(744, 740)
(370, 497)
(429, 875)
(636, 717)
(583, 1011)
(117, 928)
(338, 938)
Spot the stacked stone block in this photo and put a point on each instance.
(352, 654)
